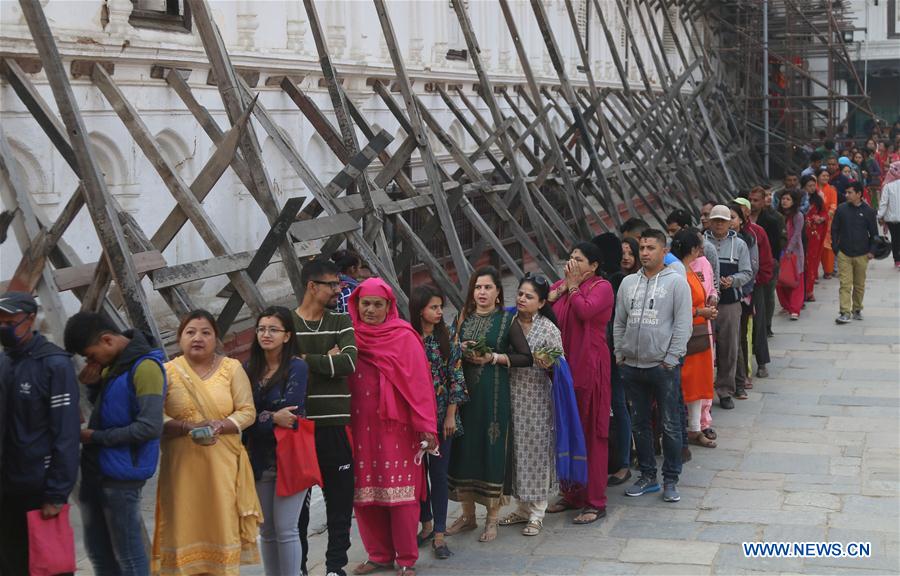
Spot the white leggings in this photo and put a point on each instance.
(694, 409)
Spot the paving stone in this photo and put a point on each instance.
(849, 424)
(674, 551)
(859, 400)
(731, 559)
(786, 447)
(628, 528)
(813, 499)
(581, 545)
(673, 569)
(793, 533)
(552, 565)
(869, 506)
(593, 567)
(787, 463)
(728, 497)
(729, 533)
(765, 516)
(748, 480)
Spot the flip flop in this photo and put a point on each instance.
(597, 512)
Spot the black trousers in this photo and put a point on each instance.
(336, 465)
(14, 531)
(894, 227)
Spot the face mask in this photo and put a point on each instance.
(8, 337)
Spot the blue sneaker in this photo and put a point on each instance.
(670, 492)
(643, 486)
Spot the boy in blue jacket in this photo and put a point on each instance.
(41, 421)
(126, 383)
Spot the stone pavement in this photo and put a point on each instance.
(812, 455)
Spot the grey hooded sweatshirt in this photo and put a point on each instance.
(653, 319)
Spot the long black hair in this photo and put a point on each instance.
(542, 288)
(418, 300)
(256, 366)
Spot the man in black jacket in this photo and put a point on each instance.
(772, 222)
(853, 233)
(40, 453)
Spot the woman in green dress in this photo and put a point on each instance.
(492, 343)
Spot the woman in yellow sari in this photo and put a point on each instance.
(207, 511)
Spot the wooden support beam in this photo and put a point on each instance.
(107, 225)
(75, 276)
(463, 269)
(185, 197)
(229, 89)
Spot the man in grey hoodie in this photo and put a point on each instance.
(651, 330)
(734, 271)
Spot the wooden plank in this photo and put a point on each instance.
(108, 228)
(69, 278)
(323, 227)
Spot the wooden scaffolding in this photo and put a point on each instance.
(638, 149)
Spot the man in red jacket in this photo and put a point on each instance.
(763, 276)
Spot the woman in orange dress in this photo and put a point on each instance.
(829, 193)
(697, 370)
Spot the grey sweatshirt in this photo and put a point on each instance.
(653, 319)
(734, 261)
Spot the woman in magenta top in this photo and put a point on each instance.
(583, 303)
(392, 410)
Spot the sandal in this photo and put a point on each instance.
(369, 567)
(441, 552)
(597, 513)
(710, 433)
(462, 524)
(533, 528)
(561, 505)
(406, 571)
(514, 518)
(421, 539)
(489, 534)
(699, 439)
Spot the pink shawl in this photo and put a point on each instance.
(892, 174)
(395, 348)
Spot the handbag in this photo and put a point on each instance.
(51, 543)
(296, 459)
(699, 340)
(787, 271)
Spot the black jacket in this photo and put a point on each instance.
(43, 422)
(772, 222)
(853, 229)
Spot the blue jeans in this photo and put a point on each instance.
(622, 419)
(114, 533)
(643, 385)
(434, 507)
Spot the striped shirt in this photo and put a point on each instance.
(328, 394)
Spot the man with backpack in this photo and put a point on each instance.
(126, 382)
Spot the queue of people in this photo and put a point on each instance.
(631, 348)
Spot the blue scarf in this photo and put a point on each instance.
(571, 453)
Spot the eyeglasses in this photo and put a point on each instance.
(536, 278)
(332, 285)
(269, 330)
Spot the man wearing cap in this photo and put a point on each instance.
(764, 276)
(40, 453)
(734, 272)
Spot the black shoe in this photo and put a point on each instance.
(726, 403)
(615, 480)
(441, 552)
(741, 394)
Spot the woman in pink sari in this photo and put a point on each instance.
(583, 303)
(392, 410)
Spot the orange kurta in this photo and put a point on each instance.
(697, 371)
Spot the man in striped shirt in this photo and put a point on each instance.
(326, 341)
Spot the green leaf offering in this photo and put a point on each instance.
(480, 348)
(548, 354)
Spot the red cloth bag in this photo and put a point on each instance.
(51, 544)
(296, 460)
(788, 277)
